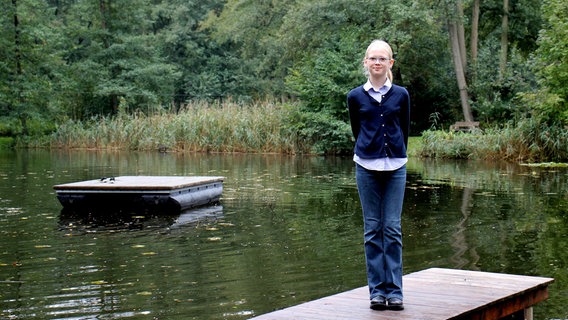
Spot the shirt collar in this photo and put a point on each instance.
(382, 90)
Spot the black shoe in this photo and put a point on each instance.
(395, 304)
(379, 303)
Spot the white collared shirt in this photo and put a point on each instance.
(377, 94)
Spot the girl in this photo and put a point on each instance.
(379, 112)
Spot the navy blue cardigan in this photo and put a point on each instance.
(380, 129)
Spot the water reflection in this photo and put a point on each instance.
(287, 230)
(77, 222)
(460, 244)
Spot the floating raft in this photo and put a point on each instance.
(434, 294)
(164, 193)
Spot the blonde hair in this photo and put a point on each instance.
(386, 46)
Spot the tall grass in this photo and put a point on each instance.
(527, 141)
(260, 127)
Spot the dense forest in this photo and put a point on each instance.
(493, 61)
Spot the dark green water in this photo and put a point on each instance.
(287, 230)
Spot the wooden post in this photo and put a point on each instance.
(529, 313)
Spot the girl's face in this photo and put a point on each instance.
(378, 61)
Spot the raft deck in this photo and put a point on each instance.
(434, 294)
(150, 192)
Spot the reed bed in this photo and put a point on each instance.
(527, 141)
(200, 126)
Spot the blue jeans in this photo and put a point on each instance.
(381, 194)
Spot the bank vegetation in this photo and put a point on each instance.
(277, 127)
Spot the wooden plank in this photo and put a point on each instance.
(464, 126)
(433, 294)
(135, 183)
(510, 305)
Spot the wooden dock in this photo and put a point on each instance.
(170, 192)
(434, 294)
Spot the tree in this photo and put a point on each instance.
(113, 58)
(459, 54)
(552, 53)
(504, 40)
(524, 19)
(30, 63)
(551, 57)
(334, 36)
(211, 70)
(493, 90)
(323, 85)
(474, 31)
(249, 30)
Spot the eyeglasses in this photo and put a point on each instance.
(381, 60)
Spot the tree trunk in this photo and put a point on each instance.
(17, 53)
(18, 73)
(474, 31)
(461, 35)
(504, 40)
(102, 10)
(105, 12)
(459, 68)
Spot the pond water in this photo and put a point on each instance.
(287, 230)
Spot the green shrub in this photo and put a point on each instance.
(319, 132)
(6, 143)
(7, 126)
